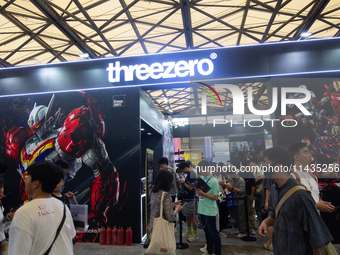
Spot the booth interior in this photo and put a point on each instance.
(237, 102)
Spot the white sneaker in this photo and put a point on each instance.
(240, 235)
(253, 232)
(223, 235)
(192, 238)
(237, 232)
(204, 249)
(186, 234)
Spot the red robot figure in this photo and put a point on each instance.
(78, 141)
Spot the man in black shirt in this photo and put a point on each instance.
(189, 199)
(298, 227)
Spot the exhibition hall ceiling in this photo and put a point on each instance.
(35, 32)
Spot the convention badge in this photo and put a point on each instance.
(201, 198)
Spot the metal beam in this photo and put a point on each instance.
(168, 44)
(6, 5)
(289, 20)
(118, 14)
(134, 27)
(313, 14)
(54, 17)
(94, 26)
(245, 13)
(186, 19)
(151, 29)
(30, 33)
(4, 63)
(32, 37)
(272, 18)
(225, 23)
(197, 105)
(208, 39)
(259, 93)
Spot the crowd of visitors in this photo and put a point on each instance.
(279, 191)
(282, 205)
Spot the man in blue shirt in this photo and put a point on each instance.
(207, 208)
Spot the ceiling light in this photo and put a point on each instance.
(165, 99)
(34, 59)
(142, 129)
(171, 111)
(149, 133)
(305, 34)
(84, 55)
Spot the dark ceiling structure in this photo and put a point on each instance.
(34, 32)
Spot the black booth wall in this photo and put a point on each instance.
(122, 142)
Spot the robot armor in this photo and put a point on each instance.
(41, 119)
(96, 155)
(76, 135)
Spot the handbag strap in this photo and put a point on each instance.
(286, 196)
(58, 231)
(161, 211)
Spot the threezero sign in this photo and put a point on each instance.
(158, 70)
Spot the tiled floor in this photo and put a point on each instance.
(230, 245)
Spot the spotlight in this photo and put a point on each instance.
(306, 34)
(84, 55)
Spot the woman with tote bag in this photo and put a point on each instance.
(162, 216)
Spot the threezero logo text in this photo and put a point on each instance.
(158, 70)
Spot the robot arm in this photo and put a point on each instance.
(15, 139)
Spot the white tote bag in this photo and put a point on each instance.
(162, 236)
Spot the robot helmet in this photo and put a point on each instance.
(41, 119)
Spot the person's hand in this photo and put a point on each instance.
(200, 192)
(266, 206)
(180, 181)
(324, 206)
(229, 186)
(178, 208)
(178, 202)
(263, 229)
(69, 194)
(10, 215)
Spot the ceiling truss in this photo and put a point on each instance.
(51, 31)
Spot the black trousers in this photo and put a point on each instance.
(224, 213)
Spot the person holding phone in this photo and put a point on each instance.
(207, 208)
(189, 199)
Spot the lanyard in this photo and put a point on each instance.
(209, 179)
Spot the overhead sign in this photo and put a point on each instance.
(181, 67)
(157, 70)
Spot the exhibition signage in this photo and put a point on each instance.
(174, 68)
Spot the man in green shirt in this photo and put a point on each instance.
(207, 208)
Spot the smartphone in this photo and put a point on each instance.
(182, 203)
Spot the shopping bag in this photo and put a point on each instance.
(231, 202)
(162, 235)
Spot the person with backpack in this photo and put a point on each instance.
(298, 227)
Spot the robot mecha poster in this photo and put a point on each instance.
(81, 128)
(321, 129)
